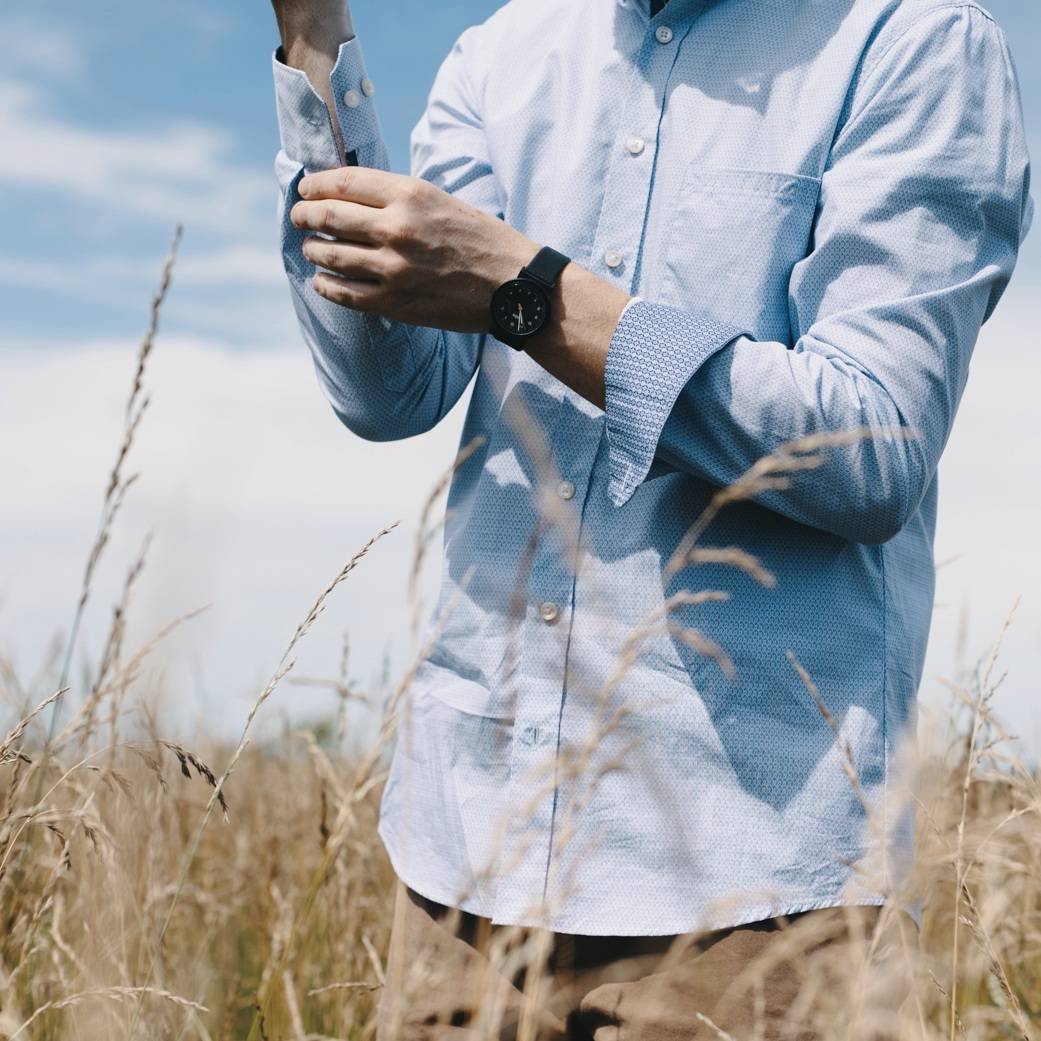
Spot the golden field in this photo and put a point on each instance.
(159, 890)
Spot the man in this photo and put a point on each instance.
(766, 222)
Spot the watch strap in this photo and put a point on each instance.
(546, 268)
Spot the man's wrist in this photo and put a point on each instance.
(574, 347)
(307, 33)
(511, 263)
(313, 31)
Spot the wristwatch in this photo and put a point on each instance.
(521, 307)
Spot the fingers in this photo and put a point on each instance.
(371, 225)
(344, 220)
(353, 293)
(347, 258)
(355, 184)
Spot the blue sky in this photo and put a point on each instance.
(120, 117)
(127, 116)
(146, 113)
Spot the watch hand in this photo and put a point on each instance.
(520, 317)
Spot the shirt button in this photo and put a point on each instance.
(566, 490)
(368, 88)
(549, 612)
(530, 735)
(612, 258)
(663, 34)
(352, 99)
(635, 145)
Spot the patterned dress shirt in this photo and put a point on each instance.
(817, 205)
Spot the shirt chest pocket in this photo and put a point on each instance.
(734, 238)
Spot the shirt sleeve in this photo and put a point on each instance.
(924, 203)
(386, 380)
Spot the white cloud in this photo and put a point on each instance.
(990, 501)
(229, 278)
(258, 495)
(179, 172)
(230, 266)
(236, 265)
(38, 48)
(238, 293)
(75, 281)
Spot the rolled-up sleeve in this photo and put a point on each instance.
(385, 380)
(924, 203)
(304, 122)
(645, 376)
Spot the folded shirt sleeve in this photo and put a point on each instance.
(924, 203)
(386, 380)
(305, 124)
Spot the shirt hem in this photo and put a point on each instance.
(574, 925)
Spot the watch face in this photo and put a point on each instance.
(520, 307)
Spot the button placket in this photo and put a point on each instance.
(553, 580)
(575, 441)
(626, 195)
(526, 836)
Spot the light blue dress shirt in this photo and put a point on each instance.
(818, 205)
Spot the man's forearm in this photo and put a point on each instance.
(312, 32)
(574, 345)
(404, 249)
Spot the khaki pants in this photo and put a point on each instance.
(453, 976)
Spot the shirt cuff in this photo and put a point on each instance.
(652, 356)
(633, 300)
(304, 124)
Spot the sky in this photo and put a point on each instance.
(119, 119)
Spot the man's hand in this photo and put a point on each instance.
(404, 249)
(399, 247)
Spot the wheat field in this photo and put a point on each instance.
(151, 889)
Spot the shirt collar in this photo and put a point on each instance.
(673, 10)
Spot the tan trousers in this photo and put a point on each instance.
(453, 976)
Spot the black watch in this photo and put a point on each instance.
(521, 307)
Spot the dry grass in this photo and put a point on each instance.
(128, 912)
